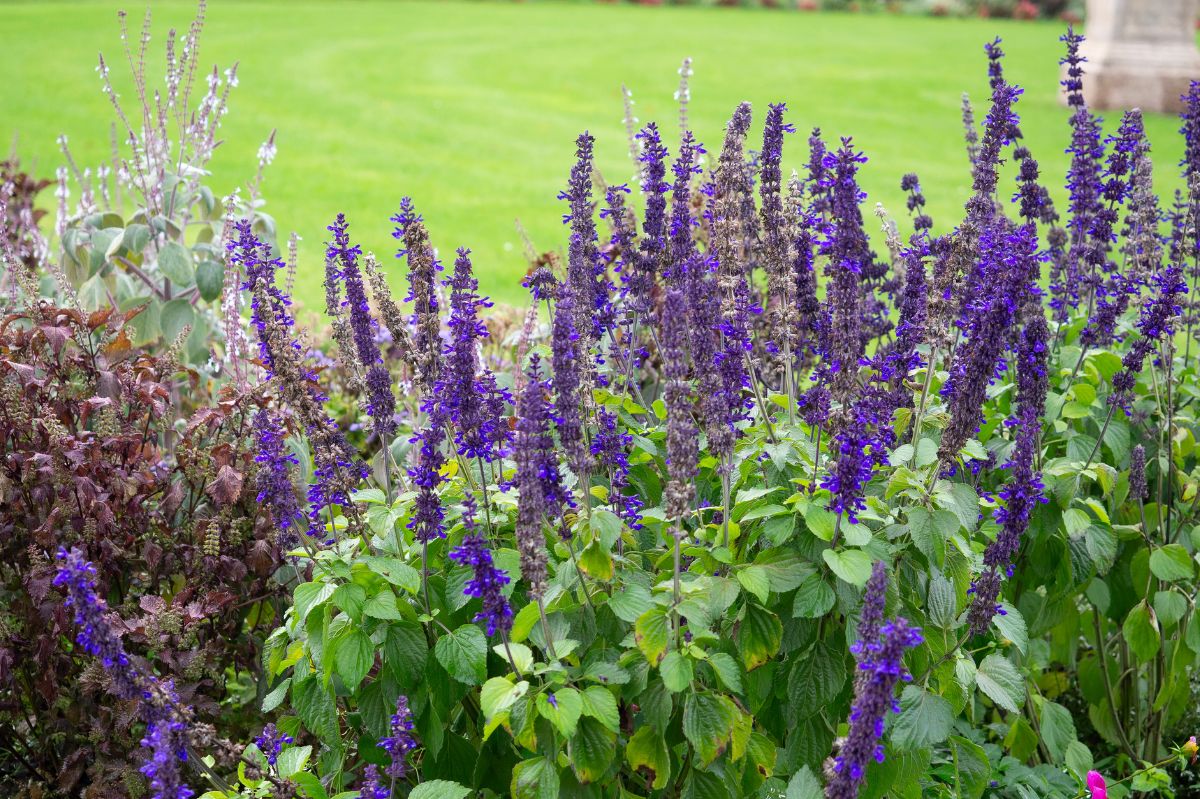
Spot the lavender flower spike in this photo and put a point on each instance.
(538, 482)
(487, 582)
(275, 489)
(166, 730)
(270, 742)
(342, 264)
(401, 741)
(881, 669)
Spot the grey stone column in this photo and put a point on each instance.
(1141, 53)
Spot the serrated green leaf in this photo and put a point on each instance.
(925, 719)
(647, 752)
(651, 633)
(727, 671)
(535, 779)
(708, 723)
(498, 695)
(759, 636)
(383, 606)
(292, 760)
(591, 750)
(439, 789)
(463, 653)
(755, 580)
(676, 671)
(972, 770)
(999, 679)
(1171, 563)
(851, 565)
(1141, 631)
(355, 654)
(600, 704)
(562, 708)
(815, 680)
(814, 598)
(1058, 730)
(804, 785)
(630, 602)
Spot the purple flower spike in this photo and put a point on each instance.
(401, 741)
(488, 582)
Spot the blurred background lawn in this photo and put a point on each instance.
(472, 108)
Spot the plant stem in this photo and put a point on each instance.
(511, 660)
(921, 404)
(725, 501)
(541, 604)
(1112, 702)
(1100, 439)
(676, 589)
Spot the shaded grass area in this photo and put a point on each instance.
(472, 109)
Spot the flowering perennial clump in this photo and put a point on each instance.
(681, 527)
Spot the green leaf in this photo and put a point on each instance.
(1058, 730)
(395, 571)
(814, 598)
(707, 723)
(600, 704)
(277, 695)
(463, 653)
(383, 606)
(651, 634)
(961, 500)
(1141, 631)
(498, 695)
(1171, 563)
(309, 595)
(1011, 625)
(564, 711)
(815, 680)
(310, 787)
(522, 655)
(942, 601)
(852, 565)
(292, 760)
(999, 679)
(676, 671)
(804, 785)
(354, 658)
(727, 671)
(1079, 759)
(630, 603)
(174, 317)
(759, 636)
(210, 279)
(591, 750)
(972, 771)
(755, 580)
(404, 652)
(596, 561)
(925, 719)
(175, 263)
(647, 751)
(350, 597)
(930, 531)
(535, 779)
(314, 705)
(820, 521)
(439, 789)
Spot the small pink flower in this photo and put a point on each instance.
(1096, 784)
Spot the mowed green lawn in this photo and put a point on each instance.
(473, 108)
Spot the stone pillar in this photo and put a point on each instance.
(1141, 53)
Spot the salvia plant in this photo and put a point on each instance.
(743, 504)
